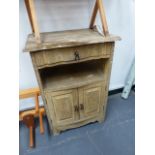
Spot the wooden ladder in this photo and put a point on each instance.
(35, 28)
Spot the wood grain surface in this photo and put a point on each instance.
(70, 38)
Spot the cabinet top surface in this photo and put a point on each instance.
(69, 38)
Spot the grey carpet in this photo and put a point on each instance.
(116, 136)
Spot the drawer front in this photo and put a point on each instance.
(70, 55)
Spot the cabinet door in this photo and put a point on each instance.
(63, 106)
(91, 100)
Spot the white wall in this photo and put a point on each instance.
(56, 15)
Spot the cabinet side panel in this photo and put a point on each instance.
(41, 90)
(107, 72)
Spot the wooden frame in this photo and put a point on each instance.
(99, 6)
(33, 19)
(31, 93)
(35, 28)
(37, 112)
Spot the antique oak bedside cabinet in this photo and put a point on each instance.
(73, 71)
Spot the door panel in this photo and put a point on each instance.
(90, 100)
(62, 105)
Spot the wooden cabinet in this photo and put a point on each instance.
(73, 71)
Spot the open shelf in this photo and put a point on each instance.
(72, 76)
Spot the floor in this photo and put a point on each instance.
(115, 136)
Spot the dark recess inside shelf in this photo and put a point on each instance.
(64, 76)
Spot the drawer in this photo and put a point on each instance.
(70, 55)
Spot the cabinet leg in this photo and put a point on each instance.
(56, 132)
(101, 119)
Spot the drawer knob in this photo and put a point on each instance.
(76, 54)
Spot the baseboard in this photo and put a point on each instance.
(116, 91)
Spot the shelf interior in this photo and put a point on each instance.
(72, 75)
